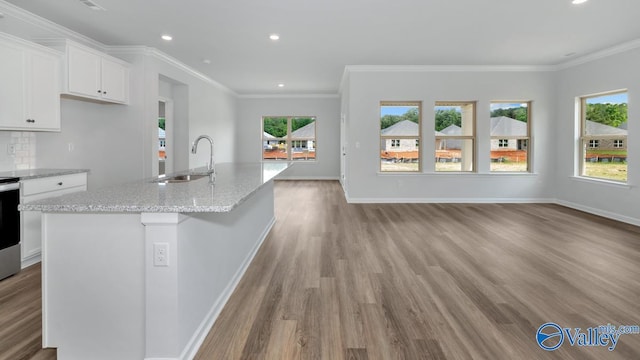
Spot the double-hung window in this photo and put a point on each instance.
(603, 136)
(510, 136)
(400, 136)
(289, 138)
(455, 130)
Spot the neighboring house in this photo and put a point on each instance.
(268, 144)
(610, 143)
(508, 127)
(162, 142)
(308, 134)
(400, 129)
(449, 144)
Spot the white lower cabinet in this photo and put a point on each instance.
(30, 221)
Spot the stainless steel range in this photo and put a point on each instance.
(9, 227)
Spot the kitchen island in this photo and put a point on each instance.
(142, 270)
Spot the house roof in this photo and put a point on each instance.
(402, 128)
(451, 130)
(594, 128)
(266, 135)
(307, 131)
(506, 126)
(623, 125)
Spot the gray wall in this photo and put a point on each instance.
(366, 89)
(611, 73)
(327, 112)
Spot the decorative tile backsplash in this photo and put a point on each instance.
(17, 150)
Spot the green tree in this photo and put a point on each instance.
(297, 123)
(388, 120)
(519, 113)
(161, 123)
(607, 114)
(446, 118)
(276, 126)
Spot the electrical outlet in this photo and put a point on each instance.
(161, 254)
(11, 149)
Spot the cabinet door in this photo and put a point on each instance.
(83, 70)
(115, 79)
(12, 87)
(43, 101)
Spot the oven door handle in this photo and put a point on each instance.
(9, 187)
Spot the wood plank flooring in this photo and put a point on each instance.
(427, 281)
(21, 317)
(404, 281)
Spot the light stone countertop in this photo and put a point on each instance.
(234, 183)
(40, 173)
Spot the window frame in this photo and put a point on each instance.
(289, 139)
(472, 137)
(418, 104)
(527, 138)
(584, 139)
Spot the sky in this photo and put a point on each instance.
(620, 98)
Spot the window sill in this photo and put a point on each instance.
(601, 182)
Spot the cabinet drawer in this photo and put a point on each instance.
(53, 183)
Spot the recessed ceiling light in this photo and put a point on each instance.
(92, 5)
(274, 37)
(281, 85)
(167, 37)
(206, 61)
(576, 2)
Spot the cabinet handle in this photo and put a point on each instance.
(99, 91)
(31, 121)
(60, 183)
(104, 92)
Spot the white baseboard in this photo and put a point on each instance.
(448, 200)
(31, 260)
(307, 178)
(599, 212)
(201, 333)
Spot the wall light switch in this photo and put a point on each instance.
(11, 149)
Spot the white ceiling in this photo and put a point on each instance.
(320, 37)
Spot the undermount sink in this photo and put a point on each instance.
(181, 178)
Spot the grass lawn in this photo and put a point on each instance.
(608, 171)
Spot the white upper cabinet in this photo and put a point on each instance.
(29, 86)
(89, 73)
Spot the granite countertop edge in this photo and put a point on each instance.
(30, 174)
(81, 204)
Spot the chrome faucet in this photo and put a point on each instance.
(194, 149)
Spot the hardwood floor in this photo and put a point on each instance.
(21, 317)
(405, 281)
(428, 281)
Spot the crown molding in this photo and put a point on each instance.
(448, 68)
(168, 59)
(289, 96)
(13, 11)
(620, 48)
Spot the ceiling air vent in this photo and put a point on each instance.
(92, 5)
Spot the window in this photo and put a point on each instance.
(603, 136)
(289, 138)
(510, 128)
(400, 135)
(455, 136)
